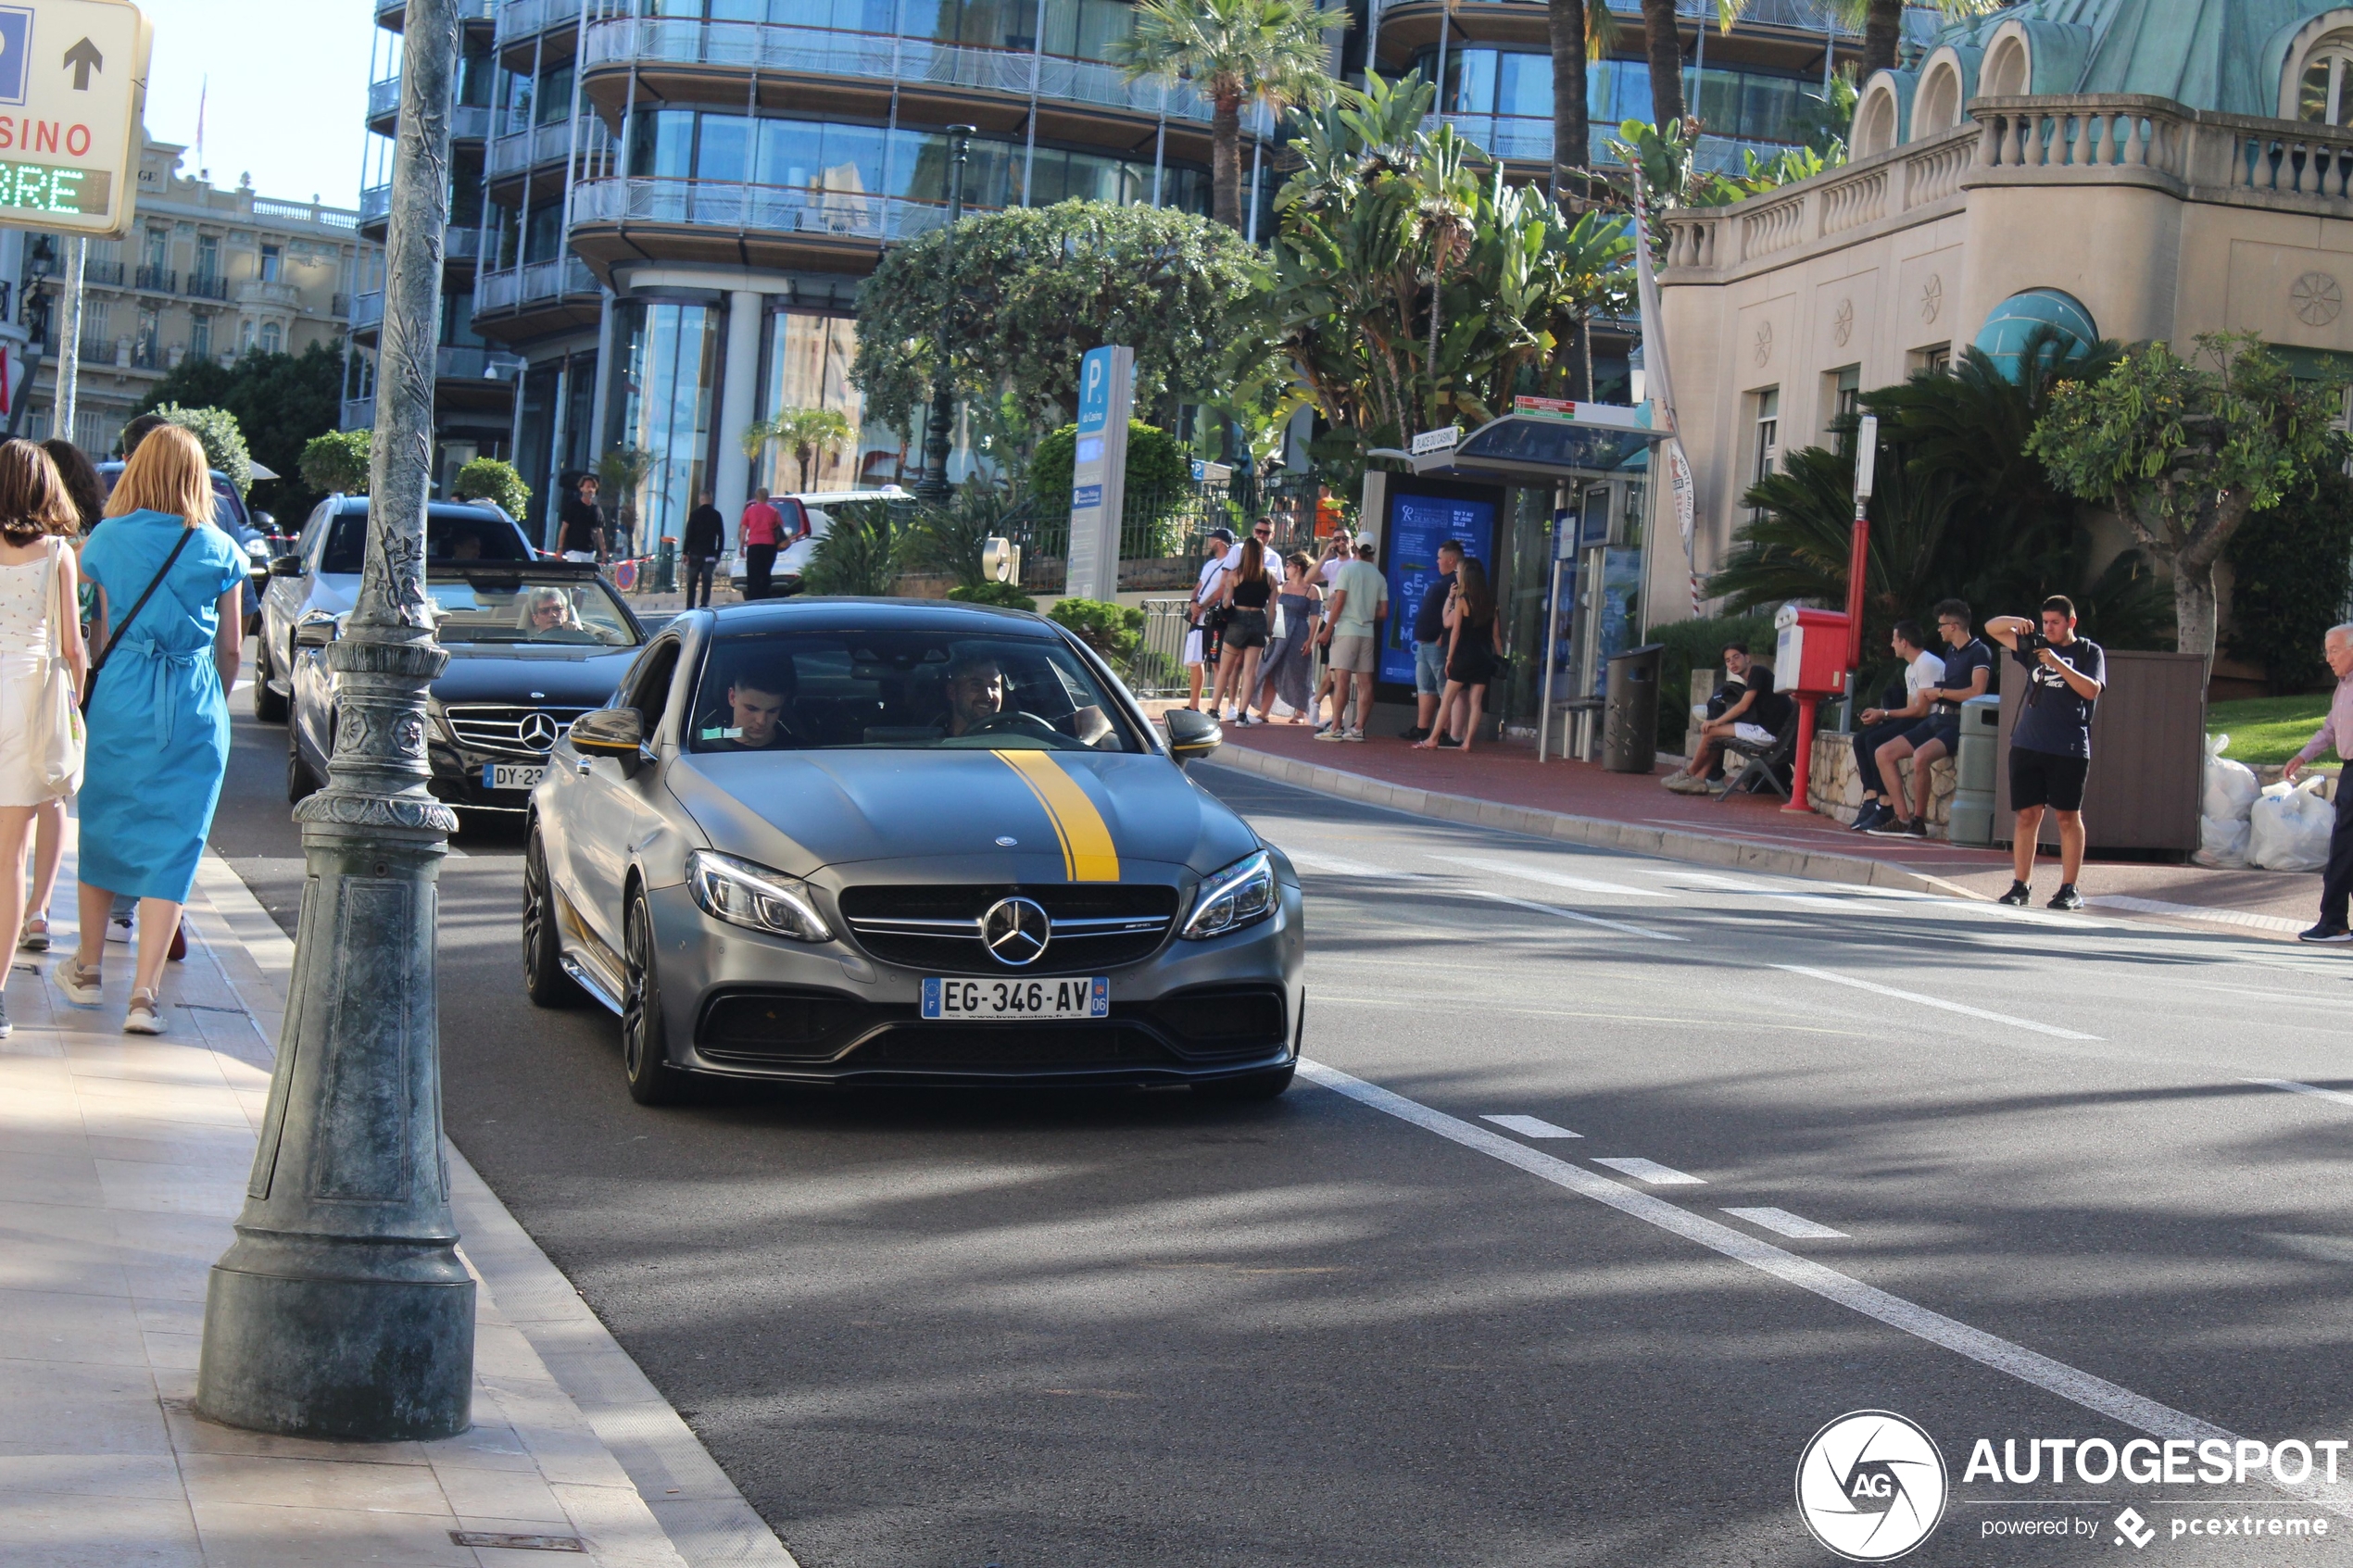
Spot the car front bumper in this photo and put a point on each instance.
(458, 774)
(735, 1004)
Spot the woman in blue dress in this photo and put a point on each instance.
(159, 724)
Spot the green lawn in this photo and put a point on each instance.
(2267, 728)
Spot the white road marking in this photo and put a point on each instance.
(1782, 1222)
(2280, 923)
(1560, 914)
(1530, 1127)
(1551, 879)
(2094, 1393)
(2292, 1086)
(1337, 865)
(2051, 1029)
(1703, 879)
(1651, 1170)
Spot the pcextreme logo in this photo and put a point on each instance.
(1871, 1486)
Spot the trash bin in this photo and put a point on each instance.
(666, 566)
(1630, 722)
(1973, 784)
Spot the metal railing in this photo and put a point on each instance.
(384, 97)
(98, 350)
(520, 18)
(1155, 667)
(107, 274)
(517, 150)
(367, 310)
(156, 279)
(454, 362)
(772, 208)
(375, 202)
(513, 286)
(1529, 139)
(886, 57)
(359, 413)
(205, 286)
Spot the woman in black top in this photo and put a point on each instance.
(1474, 638)
(1248, 588)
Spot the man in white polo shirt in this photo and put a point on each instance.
(1200, 643)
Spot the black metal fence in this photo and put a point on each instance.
(1169, 529)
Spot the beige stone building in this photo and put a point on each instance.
(2131, 167)
(203, 273)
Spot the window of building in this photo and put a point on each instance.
(554, 95)
(662, 403)
(207, 257)
(1765, 433)
(200, 337)
(273, 337)
(1841, 390)
(1936, 359)
(270, 261)
(157, 251)
(806, 360)
(2325, 95)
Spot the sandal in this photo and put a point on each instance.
(146, 1015)
(35, 938)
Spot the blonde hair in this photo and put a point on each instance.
(167, 473)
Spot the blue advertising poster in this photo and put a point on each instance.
(1417, 525)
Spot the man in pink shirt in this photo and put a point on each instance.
(759, 534)
(2336, 881)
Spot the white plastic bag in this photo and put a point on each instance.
(2288, 830)
(2221, 841)
(2231, 787)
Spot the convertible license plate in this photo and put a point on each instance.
(512, 776)
(1075, 997)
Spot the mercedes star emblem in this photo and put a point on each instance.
(1015, 931)
(538, 732)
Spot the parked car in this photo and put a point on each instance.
(533, 645)
(319, 579)
(231, 515)
(792, 561)
(854, 841)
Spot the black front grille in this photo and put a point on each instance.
(949, 1046)
(1222, 1023)
(937, 929)
(757, 1026)
(487, 727)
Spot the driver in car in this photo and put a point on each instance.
(756, 714)
(976, 694)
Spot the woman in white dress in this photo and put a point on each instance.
(37, 518)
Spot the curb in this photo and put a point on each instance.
(1672, 844)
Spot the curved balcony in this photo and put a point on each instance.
(1529, 139)
(522, 18)
(393, 15)
(367, 310)
(627, 218)
(512, 153)
(519, 303)
(467, 122)
(718, 51)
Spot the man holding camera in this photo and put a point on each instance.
(2051, 744)
(2337, 730)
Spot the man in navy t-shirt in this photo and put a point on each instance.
(2051, 742)
(1969, 670)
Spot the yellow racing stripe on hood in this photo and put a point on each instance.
(1088, 854)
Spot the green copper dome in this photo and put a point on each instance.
(2224, 56)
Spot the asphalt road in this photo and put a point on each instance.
(1365, 1325)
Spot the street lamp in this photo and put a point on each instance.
(938, 430)
(342, 1309)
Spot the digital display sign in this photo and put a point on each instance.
(41, 187)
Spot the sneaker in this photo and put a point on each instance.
(80, 984)
(146, 1016)
(35, 936)
(1893, 826)
(1916, 828)
(1413, 732)
(1328, 732)
(2065, 897)
(1871, 816)
(1354, 735)
(1448, 742)
(2018, 897)
(2324, 931)
(1674, 779)
(6, 1027)
(121, 928)
(1688, 784)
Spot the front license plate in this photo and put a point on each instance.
(1076, 997)
(512, 776)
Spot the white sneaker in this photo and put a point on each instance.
(146, 1016)
(81, 985)
(122, 928)
(1354, 735)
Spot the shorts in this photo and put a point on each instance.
(1753, 735)
(1354, 655)
(2045, 778)
(1429, 669)
(1938, 727)
(1247, 629)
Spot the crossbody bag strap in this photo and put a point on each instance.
(124, 624)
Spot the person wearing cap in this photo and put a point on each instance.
(1201, 643)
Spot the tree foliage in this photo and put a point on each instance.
(860, 554)
(1156, 464)
(224, 443)
(807, 434)
(488, 479)
(337, 461)
(1111, 630)
(2292, 566)
(2184, 449)
(951, 539)
(1035, 288)
(280, 401)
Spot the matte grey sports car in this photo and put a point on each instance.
(840, 841)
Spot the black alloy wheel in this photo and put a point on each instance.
(268, 706)
(544, 980)
(301, 782)
(643, 1047)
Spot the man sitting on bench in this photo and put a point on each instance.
(1922, 670)
(1747, 720)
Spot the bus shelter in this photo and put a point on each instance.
(1554, 499)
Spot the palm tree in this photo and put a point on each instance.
(1882, 25)
(1569, 22)
(810, 434)
(1663, 46)
(1233, 52)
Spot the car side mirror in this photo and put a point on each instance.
(1192, 734)
(286, 566)
(618, 732)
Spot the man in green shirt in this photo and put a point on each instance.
(1352, 622)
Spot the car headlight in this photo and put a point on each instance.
(754, 898)
(1243, 894)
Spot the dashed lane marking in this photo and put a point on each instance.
(1651, 1170)
(2093, 1393)
(1872, 985)
(1780, 1222)
(1559, 913)
(1530, 1127)
(1551, 879)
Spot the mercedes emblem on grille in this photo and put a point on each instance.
(1015, 931)
(536, 730)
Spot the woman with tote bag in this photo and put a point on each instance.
(167, 627)
(40, 662)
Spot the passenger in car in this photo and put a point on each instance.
(756, 705)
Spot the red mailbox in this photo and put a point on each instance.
(1815, 649)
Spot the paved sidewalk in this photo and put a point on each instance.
(125, 1160)
(1503, 786)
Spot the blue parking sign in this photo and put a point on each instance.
(16, 52)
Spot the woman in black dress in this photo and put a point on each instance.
(1474, 639)
(1248, 588)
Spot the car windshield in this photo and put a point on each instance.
(527, 610)
(821, 691)
(451, 539)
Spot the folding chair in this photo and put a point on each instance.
(1770, 765)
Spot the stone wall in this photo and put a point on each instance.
(1835, 789)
